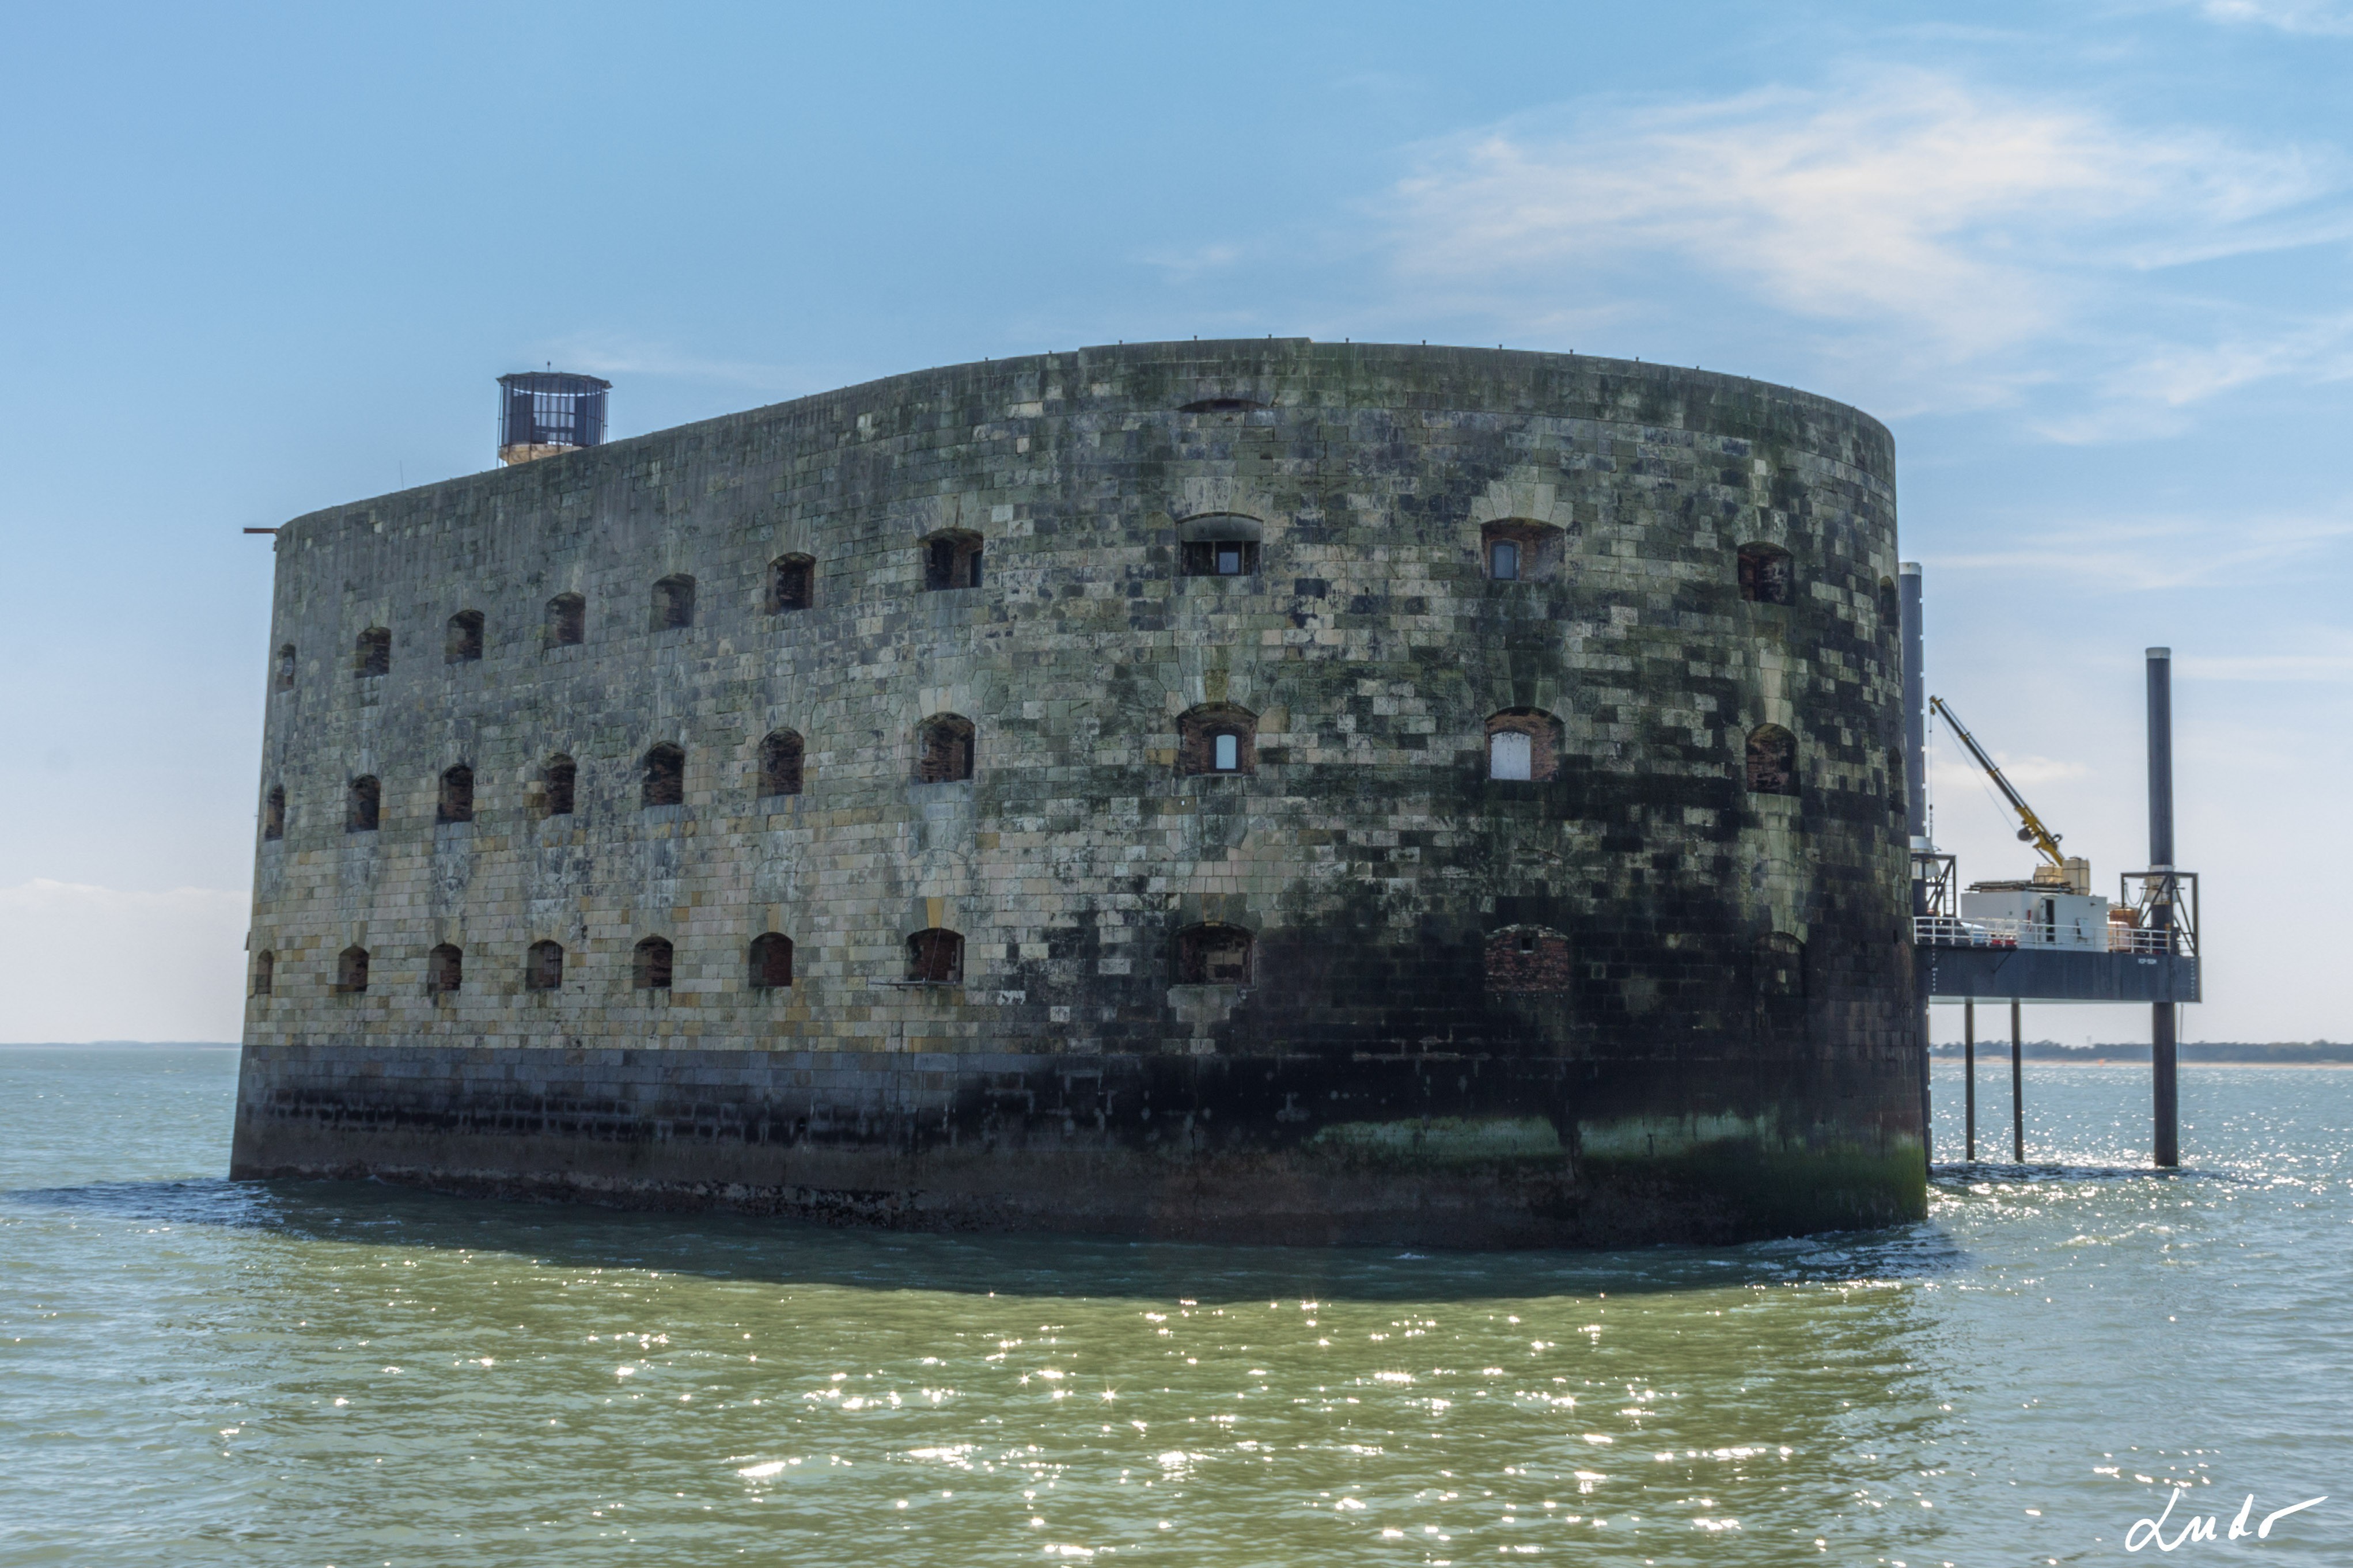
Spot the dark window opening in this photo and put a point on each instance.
(649, 965)
(791, 583)
(664, 771)
(457, 803)
(567, 620)
(771, 961)
(673, 603)
(1213, 955)
(265, 972)
(445, 970)
(1220, 558)
(944, 749)
(273, 812)
(1216, 738)
(1772, 761)
(1529, 961)
(543, 966)
(1523, 743)
(362, 805)
(1780, 967)
(780, 764)
(935, 957)
(1223, 405)
(285, 675)
(557, 784)
(1767, 575)
(373, 654)
(1891, 605)
(352, 970)
(952, 560)
(465, 644)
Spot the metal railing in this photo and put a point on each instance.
(2069, 936)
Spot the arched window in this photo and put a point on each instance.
(649, 965)
(284, 676)
(1772, 761)
(1768, 576)
(265, 972)
(1219, 544)
(273, 812)
(457, 803)
(352, 970)
(1216, 738)
(1523, 743)
(557, 780)
(792, 584)
(1780, 967)
(771, 961)
(935, 957)
(465, 642)
(780, 764)
(944, 749)
(373, 653)
(543, 966)
(673, 604)
(567, 620)
(445, 970)
(1528, 959)
(1517, 550)
(1213, 955)
(664, 772)
(362, 804)
(952, 560)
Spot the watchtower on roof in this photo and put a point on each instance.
(543, 413)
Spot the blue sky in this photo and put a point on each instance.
(2088, 262)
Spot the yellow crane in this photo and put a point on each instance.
(2031, 829)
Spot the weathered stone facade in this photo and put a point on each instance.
(1706, 1031)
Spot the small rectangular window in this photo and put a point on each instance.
(1509, 756)
(1228, 754)
(1229, 560)
(1504, 561)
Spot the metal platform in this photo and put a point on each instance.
(2053, 975)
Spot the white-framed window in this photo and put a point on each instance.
(1509, 756)
(1227, 753)
(1504, 561)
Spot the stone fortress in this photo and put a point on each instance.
(1250, 790)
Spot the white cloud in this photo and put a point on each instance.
(1937, 238)
(97, 963)
(2144, 554)
(2309, 17)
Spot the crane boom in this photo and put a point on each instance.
(2031, 829)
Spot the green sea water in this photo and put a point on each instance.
(194, 1371)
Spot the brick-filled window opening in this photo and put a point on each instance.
(352, 970)
(935, 957)
(1767, 575)
(780, 764)
(567, 620)
(673, 603)
(649, 964)
(1772, 763)
(543, 966)
(373, 653)
(265, 972)
(1529, 960)
(362, 805)
(1521, 552)
(457, 804)
(952, 560)
(273, 812)
(944, 749)
(664, 775)
(1213, 955)
(792, 584)
(282, 672)
(557, 782)
(445, 970)
(1781, 968)
(1216, 738)
(465, 640)
(1523, 743)
(771, 960)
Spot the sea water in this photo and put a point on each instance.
(196, 1372)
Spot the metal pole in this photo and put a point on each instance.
(1969, 1077)
(1916, 790)
(2017, 1090)
(2164, 1092)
